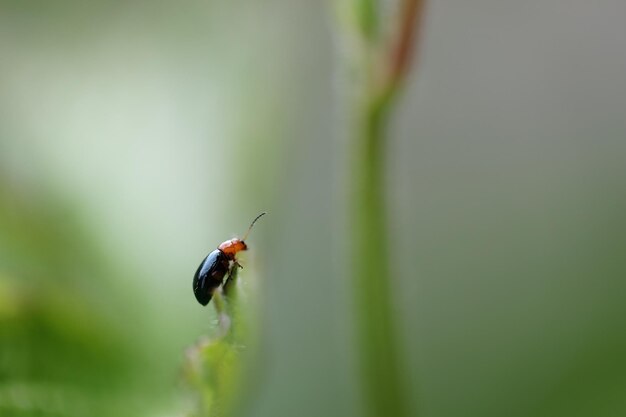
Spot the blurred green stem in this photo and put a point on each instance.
(223, 318)
(214, 365)
(380, 66)
(380, 361)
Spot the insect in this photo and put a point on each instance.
(213, 268)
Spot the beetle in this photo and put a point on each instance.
(212, 270)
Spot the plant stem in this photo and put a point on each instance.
(380, 361)
(223, 319)
(382, 66)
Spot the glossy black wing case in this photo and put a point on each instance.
(209, 276)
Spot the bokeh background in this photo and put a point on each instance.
(136, 136)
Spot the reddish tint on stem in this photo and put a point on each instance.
(402, 46)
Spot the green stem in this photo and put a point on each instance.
(223, 318)
(367, 17)
(380, 361)
(379, 57)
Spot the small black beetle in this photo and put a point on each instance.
(213, 268)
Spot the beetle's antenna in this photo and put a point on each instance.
(252, 224)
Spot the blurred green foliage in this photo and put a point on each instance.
(62, 349)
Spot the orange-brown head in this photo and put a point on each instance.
(232, 246)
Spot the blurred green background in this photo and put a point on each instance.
(136, 136)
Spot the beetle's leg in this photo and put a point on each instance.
(232, 275)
